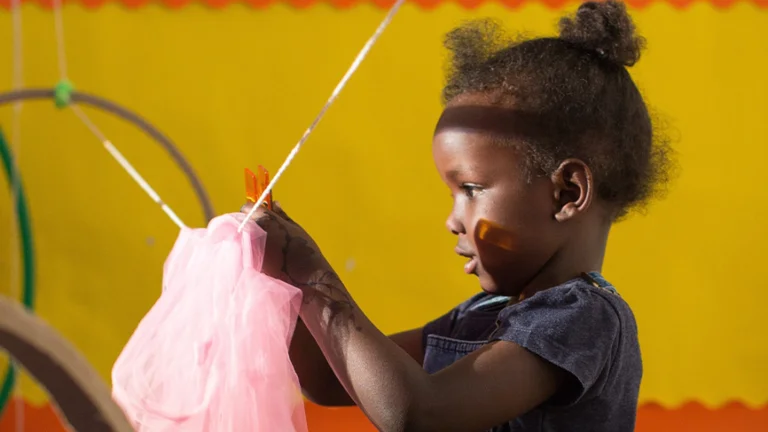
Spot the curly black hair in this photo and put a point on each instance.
(578, 87)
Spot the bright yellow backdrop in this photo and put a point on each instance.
(236, 87)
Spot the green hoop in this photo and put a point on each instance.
(27, 253)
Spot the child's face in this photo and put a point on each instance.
(487, 182)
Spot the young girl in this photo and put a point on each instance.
(550, 141)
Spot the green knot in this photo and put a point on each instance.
(62, 94)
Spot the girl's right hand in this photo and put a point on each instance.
(290, 253)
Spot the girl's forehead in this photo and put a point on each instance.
(500, 123)
(461, 151)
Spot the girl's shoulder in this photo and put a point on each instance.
(584, 303)
(591, 291)
(585, 328)
(586, 298)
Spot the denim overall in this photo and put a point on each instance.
(475, 327)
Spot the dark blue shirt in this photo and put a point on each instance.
(583, 326)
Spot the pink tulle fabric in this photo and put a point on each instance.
(212, 353)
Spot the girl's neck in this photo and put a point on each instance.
(583, 253)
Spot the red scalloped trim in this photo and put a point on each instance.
(694, 416)
(384, 4)
(651, 417)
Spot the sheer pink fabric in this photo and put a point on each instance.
(212, 353)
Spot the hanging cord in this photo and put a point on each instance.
(62, 97)
(126, 165)
(352, 69)
(15, 182)
(61, 52)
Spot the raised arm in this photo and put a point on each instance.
(495, 384)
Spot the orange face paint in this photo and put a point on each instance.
(494, 234)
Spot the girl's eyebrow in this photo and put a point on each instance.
(452, 174)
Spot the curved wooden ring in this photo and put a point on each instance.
(77, 390)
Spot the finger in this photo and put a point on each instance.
(261, 213)
(246, 207)
(278, 209)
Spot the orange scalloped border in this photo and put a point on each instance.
(651, 417)
(384, 4)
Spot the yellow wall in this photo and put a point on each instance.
(236, 87)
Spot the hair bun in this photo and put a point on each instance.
(605, 28)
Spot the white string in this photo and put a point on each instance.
(111, 149)
(14, 150)
(355, 64)
(58, 22)
(126, 165)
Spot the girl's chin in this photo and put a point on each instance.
(491, 286)
(487, 284)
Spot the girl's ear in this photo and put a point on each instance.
(573, 189)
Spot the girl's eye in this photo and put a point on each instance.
(470, 189)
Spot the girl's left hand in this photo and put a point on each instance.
(291, 255)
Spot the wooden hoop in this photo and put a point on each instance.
(81, 396)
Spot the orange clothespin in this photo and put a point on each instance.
(251, 186)
(255, 184)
